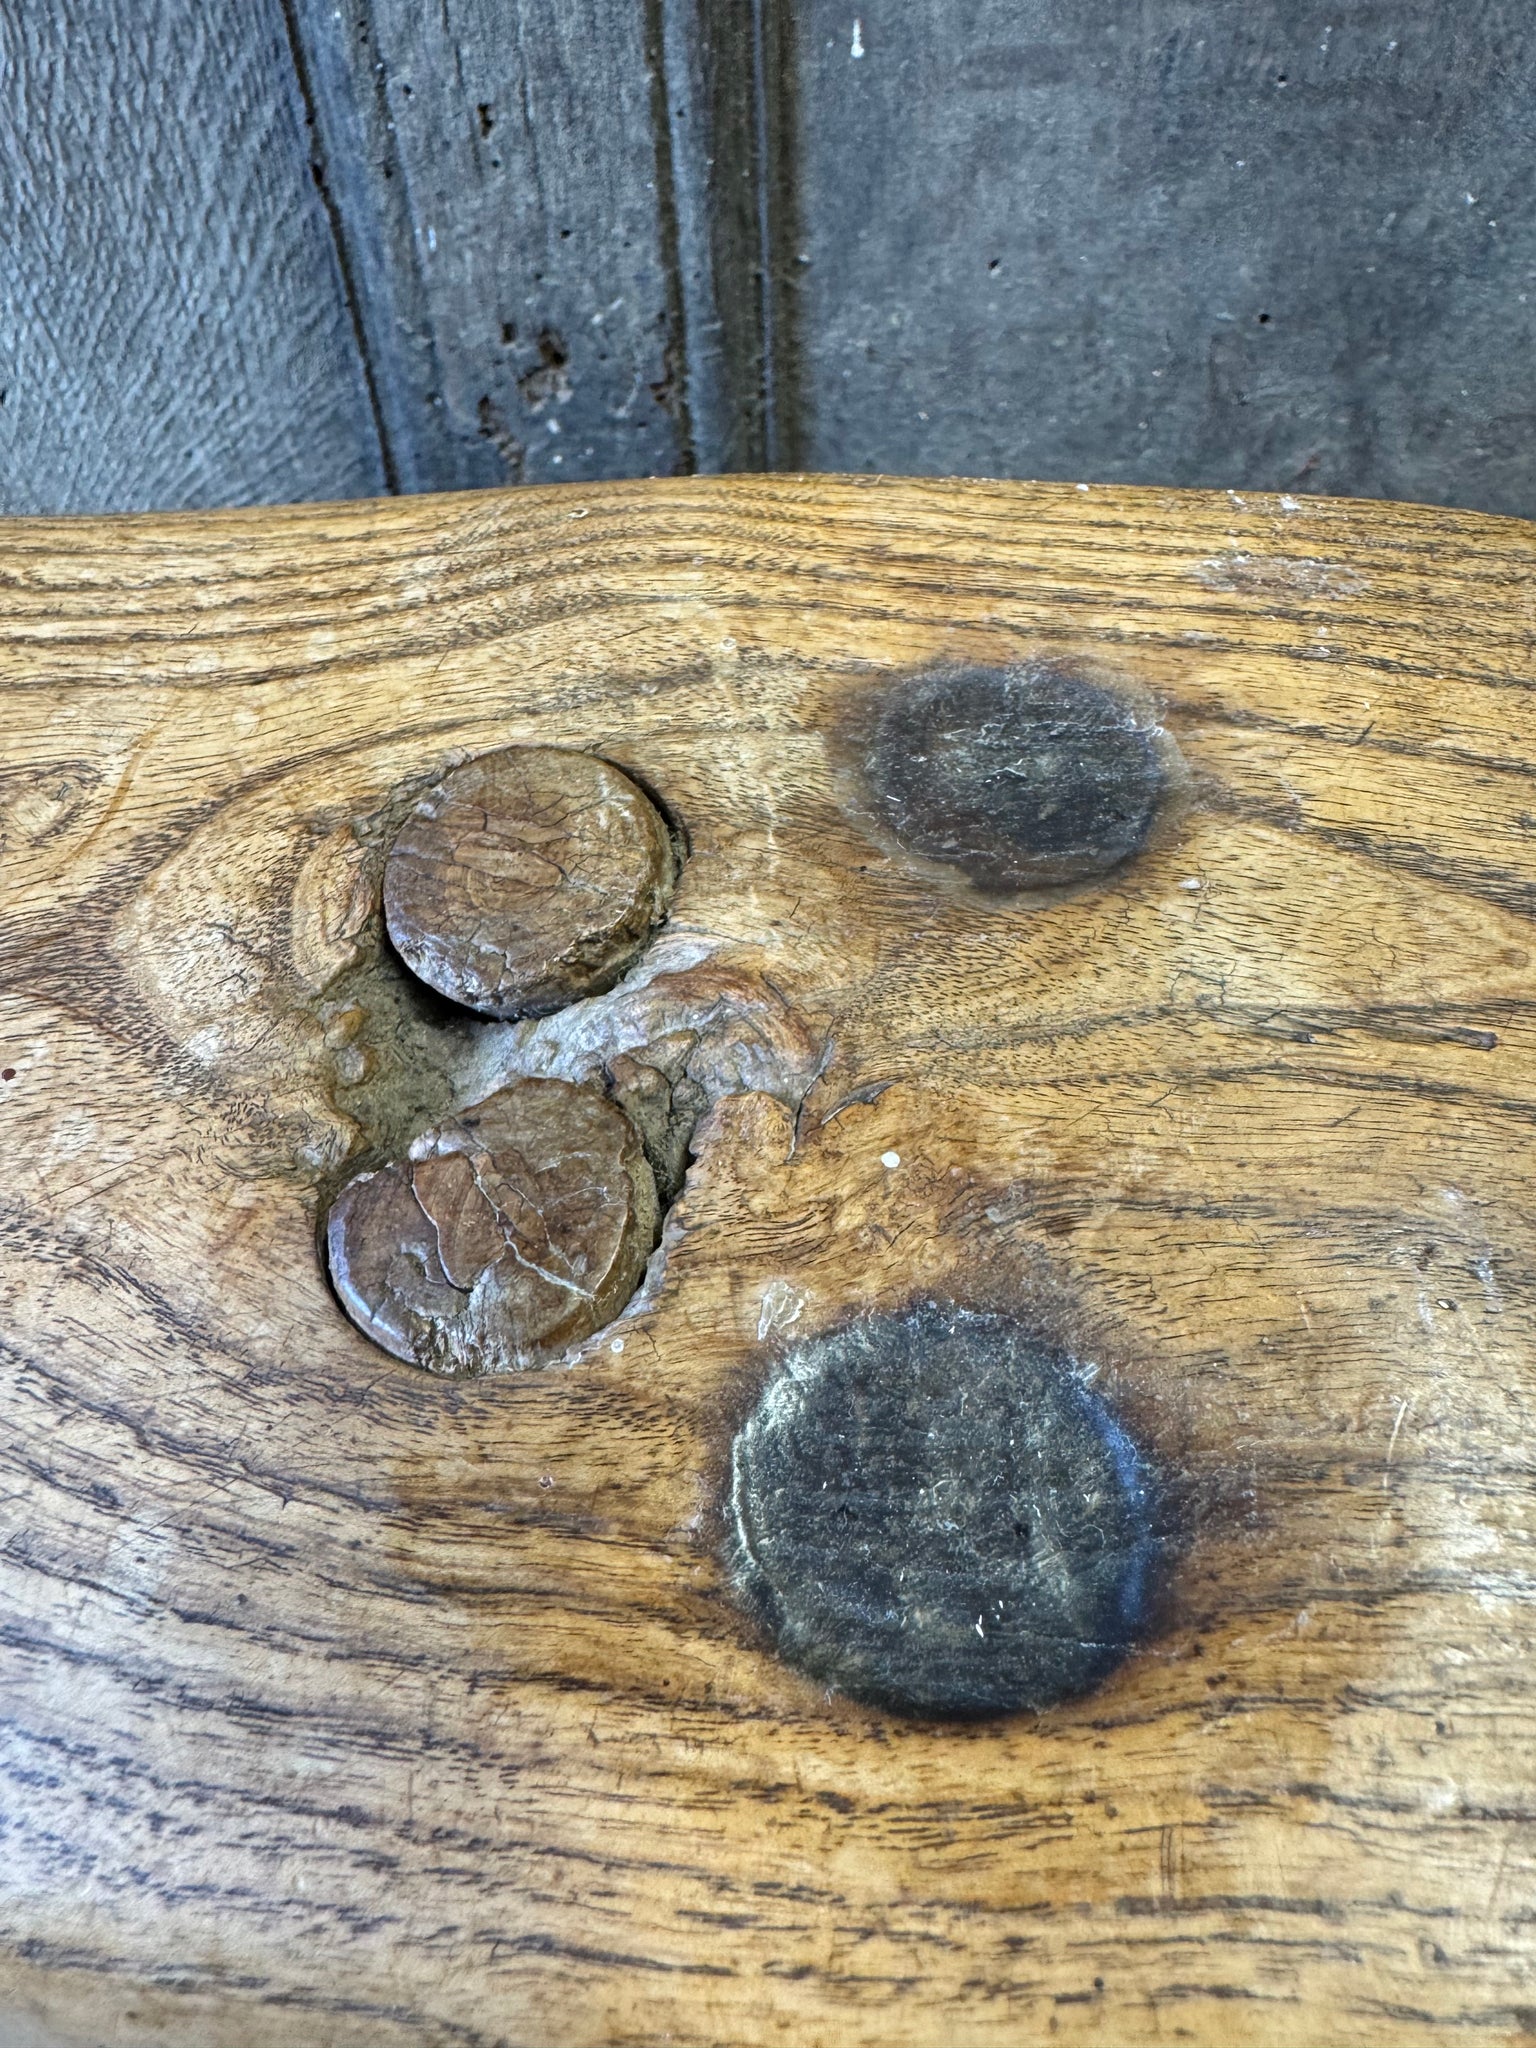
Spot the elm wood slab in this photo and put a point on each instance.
(344, 1703)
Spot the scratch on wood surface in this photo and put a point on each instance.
(1403, 1408)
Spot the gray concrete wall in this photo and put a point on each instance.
(1282, 243)
(283, 249)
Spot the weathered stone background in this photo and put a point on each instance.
(273, 249)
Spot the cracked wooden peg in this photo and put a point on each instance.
(508, 1232)
(526, 879)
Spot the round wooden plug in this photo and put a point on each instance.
(935, 1513)
(507, 1233)
(527, 879)
(1021, 778)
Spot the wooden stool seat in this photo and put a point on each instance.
(350, 1703)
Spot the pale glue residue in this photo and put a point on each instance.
(781, 1307)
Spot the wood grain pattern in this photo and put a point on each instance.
(176, 331)
(501, 181)
(342, 1704)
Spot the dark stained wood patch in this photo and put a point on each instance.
(934, 1512)
(1018, 777)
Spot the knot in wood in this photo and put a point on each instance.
(1019, 777)
(508, 1233)
(527, 879)
(934, 1513)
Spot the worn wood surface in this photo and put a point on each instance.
(502, 178)
(344, 1704)
(174, 328)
